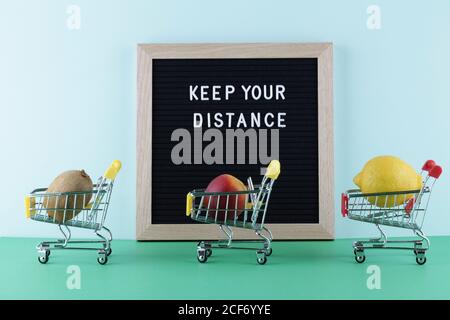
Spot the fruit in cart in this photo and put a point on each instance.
(71, 205)
(388, 174)
(218, 205)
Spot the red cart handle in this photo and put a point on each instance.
(428, 165)
(432, 169)
(344, 204)
(435, 172)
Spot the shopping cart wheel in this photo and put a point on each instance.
(261, 257)
(360, 257)
(102, 260)
(108, 252)
(43, 259)
(47, 253)
(208, 253)
(268, 252)
(421, 260)
(202, 256)
(262, 260)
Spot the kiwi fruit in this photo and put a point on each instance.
(68, 181)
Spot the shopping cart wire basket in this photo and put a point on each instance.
(410, 214)
(91, 216)
(199, 207)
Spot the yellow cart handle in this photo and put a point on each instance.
(189, 203)
(273, 170)
(113, 170)
(30, 204)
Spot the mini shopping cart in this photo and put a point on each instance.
(92, 216)
(408, 215)
(198, 206)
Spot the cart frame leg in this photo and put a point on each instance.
(382, 242)
(267, 239)
(383, 238)
(228, 232)
(204, 248)
(423, 237)
(44, 248)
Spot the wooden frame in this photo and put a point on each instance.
(145, 230)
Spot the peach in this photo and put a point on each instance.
(225, 183)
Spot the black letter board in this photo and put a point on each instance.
(295, 195)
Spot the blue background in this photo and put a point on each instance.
(68, 97)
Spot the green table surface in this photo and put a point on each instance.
(169, 270)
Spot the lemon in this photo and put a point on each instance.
(387, 174)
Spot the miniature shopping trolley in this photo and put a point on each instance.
(408, 215)
(91, 216)
(198, 206)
